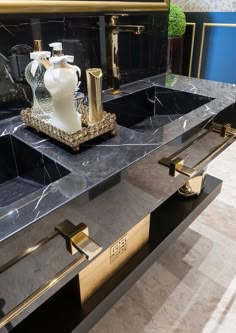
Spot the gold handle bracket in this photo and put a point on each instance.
(78, 240)
(224, 130)
(177, 166)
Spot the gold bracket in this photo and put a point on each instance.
(224, 130)
(78, 240)
(176, 164)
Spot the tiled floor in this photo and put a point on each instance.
(192, 287)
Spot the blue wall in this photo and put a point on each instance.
(219, 55)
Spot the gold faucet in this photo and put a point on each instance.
(113, 30)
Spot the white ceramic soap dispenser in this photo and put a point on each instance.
(61, 81)
(34, 75)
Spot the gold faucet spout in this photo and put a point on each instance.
(135, 29)
(113, 30)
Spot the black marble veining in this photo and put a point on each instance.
(100, 160)
(85, 38)
(153, 107)
(24, 170)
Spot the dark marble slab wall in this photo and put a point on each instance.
(84, 37)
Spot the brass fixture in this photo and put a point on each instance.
(194, 185)
(94, 85)
(113, 68)
(176, 164)
(224, 130)
(75, 6)
(31, 249)
(193, 25)
(77, 239)
(40, 291)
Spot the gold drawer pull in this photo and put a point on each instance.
(77, 240)
(176, 163)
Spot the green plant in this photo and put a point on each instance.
(177, 21)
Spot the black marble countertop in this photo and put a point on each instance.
(99, 160)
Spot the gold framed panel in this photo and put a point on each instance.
(77, 6)
(207, 25)
(193, 25)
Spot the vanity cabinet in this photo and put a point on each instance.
(128, 200)
(117, 213)
(66, 310)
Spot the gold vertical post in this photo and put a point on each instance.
(193, 24)
(201, 50)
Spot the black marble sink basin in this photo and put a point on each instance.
(153, 107)
(23, 170)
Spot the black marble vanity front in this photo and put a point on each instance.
(110, 185)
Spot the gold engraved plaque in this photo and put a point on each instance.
(118, 248)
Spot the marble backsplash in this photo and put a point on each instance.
(207, 5)
(85, 38)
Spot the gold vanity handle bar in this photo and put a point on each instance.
(62, 229)
(176, 164)
(28, 251)
(77, 240)
(41, 291)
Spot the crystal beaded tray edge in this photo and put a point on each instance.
(73, 140)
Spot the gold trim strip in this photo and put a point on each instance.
(75, 6)
(193, 24)
(28, 251)
(205, 25)
(40, 292)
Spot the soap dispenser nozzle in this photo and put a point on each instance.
(56, 49)
(94, 85)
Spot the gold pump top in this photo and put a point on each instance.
(38, 45)
(96, 72)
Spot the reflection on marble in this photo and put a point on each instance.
(152, 108)
(23, 171)
(84, 37)
(192, 286)
(101, 159)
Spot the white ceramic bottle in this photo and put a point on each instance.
(34, 75)
(61, 81)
